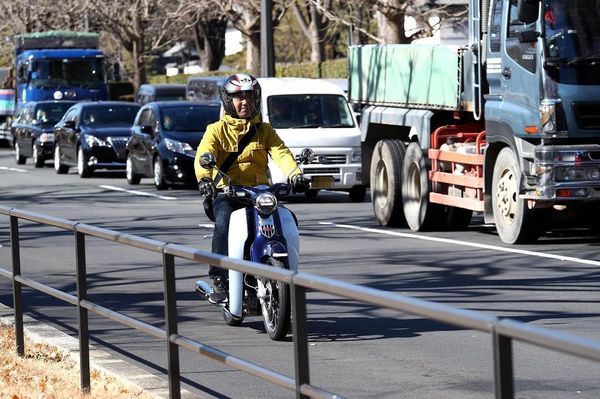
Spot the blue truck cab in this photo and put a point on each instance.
(59, 65)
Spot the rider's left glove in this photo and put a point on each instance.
(300, 184)
(207, 188)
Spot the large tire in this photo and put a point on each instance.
(83, 170)
(132, 177)
(276, 306)
(358, 193)
(38, 160)
(515, 222)
(420, 214)
(159, 174)
(58, 167)
(386, 182)
(19, 158)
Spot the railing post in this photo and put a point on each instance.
(17, 297)
(84, 333)
(300, 335)
(171, 325)
(503, 366)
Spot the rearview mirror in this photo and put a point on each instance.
(208, 160)
(527, 10)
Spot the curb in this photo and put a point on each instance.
(100, 360)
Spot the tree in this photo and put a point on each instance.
(139, 26)
(313, 23)
(244, 15)
(207, 26)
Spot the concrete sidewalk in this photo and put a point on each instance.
(100, 360)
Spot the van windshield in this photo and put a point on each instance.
(309, 111)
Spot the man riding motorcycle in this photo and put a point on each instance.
(241, 98)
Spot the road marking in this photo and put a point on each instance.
(13, 169)
(135, 192)
(467, 244)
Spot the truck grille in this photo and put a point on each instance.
(329, 159)
(587, 115)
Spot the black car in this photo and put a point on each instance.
(33, 130)
(93, 135)
(164, 139)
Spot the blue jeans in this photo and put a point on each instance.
(222, 207)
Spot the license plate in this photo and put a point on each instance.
(321, 182)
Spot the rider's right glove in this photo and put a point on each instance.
(207, 188)
(300, 184)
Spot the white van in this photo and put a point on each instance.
(314, 113)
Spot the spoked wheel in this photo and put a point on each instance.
(60, 169)
(19, 159)
(132, 177)
(83, 170)
(38, 160)
(159, 175)
(276, 305)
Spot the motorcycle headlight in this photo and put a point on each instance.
(266, 203)
(179, 147)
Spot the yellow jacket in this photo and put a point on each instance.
(250, 169)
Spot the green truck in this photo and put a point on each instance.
(506, 124)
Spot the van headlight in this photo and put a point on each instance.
(355, 156)
(266, 203)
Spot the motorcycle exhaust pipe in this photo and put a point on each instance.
(204, 289)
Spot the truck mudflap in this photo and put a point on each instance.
(456, 155)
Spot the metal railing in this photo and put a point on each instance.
(504, 331)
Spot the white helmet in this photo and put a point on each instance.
(238, 83)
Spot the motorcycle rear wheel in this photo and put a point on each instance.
(276, 306)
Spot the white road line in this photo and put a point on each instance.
(135, 192)
(467, 244)
(13, 169)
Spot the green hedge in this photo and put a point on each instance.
(328, 69)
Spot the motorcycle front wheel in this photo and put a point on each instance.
(276, 305)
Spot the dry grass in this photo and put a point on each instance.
(44, 373)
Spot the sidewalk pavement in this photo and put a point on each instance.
(99, 359)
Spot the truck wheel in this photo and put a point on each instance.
(515, 222)
(386, 180)
(420, 214)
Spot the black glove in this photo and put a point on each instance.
(207, 188)
(300, 184)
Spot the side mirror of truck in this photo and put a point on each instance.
(528, 10)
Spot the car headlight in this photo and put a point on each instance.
(355, 156)
(179, 147)
(94, 141)
(266, 203)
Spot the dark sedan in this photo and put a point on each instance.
(164, 139)
(93, 135)
(33, 130)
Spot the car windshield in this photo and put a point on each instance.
(309, 111)
(188, 118)
(50, 114)
(81, 72)
(572, 30)
(113, 115)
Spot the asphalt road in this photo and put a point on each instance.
(356, 350)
